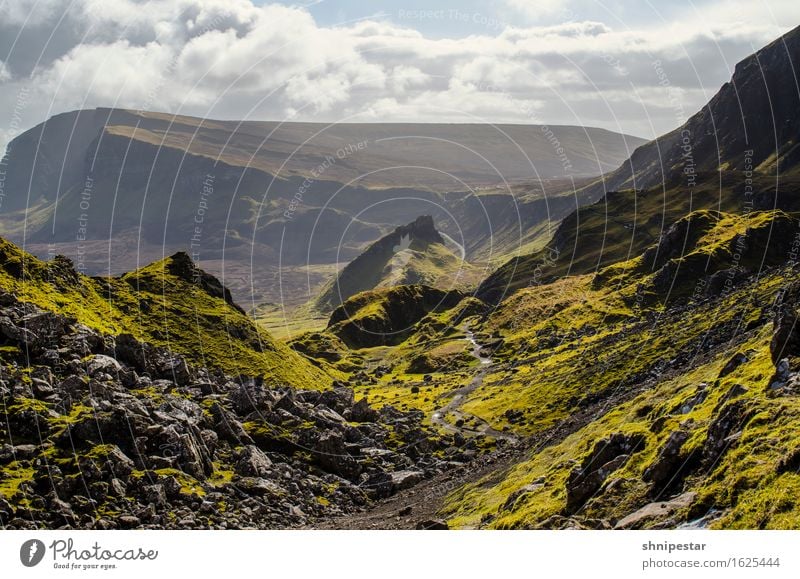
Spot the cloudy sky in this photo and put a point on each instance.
(520, 61)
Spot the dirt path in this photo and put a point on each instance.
(423, 501)
(459, 396)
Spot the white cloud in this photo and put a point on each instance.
(538, 9)
(232, 59)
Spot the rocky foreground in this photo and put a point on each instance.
(104, 433)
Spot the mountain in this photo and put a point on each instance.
(755, 111)
(415, 253)
(639, 371)
(272, 209)
(649, 348)
(738, 154)
(168, 304)
(644, 414)
(636, 367)
(387, 316)
(50, 159)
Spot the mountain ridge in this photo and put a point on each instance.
(681, 171)
(414, 253)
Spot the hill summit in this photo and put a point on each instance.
(415, 253)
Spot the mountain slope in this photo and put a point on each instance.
(756, 111)
(652, 398)
(387, 316)
(56, 152)
(169, 304)
(102, 430)
(254, 202)
(412, 254)
(737, 154)
(645, 362)
(650, 349)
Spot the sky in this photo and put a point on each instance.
(631, 66)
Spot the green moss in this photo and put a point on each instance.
(163, 309)
(220, 476)
(574, 341)
(100, 451)
(189, 485)
(12, 476)
(150, 393)
(21, 404)
(77, 413)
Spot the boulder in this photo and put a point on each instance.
(363, 412)
(785, 341)
(41, 389)
(332, 455)
(607, 456)
(730, 419)
(782, 375)
(100, 363)
(328, 418)
(227, 426)
(250, 396)
(737, 360)
(654, 512)
(252, 462)
(666, 468)
(16, 333)
(404, 479)
(129, 522)
(156, 494)
(339, 399)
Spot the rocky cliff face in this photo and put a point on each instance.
(738, 154)
(750, 124)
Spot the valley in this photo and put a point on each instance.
(617, 349)
(275, 209)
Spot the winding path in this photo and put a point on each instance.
(459, 396)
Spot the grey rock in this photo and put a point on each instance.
(129, 521)
(363, 412)
(665, 468)
(406, 479)
(101, 363)
(332, 455)
(156, 494)
(253, 462)
(339, 399)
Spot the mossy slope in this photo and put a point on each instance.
(678, 359)
(168, 303)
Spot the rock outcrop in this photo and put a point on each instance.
(104, 432)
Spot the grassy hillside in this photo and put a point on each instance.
(622, 224)
(680, 370)
(658, 368)
(412, 254)
(387, 316)
(168, 303)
